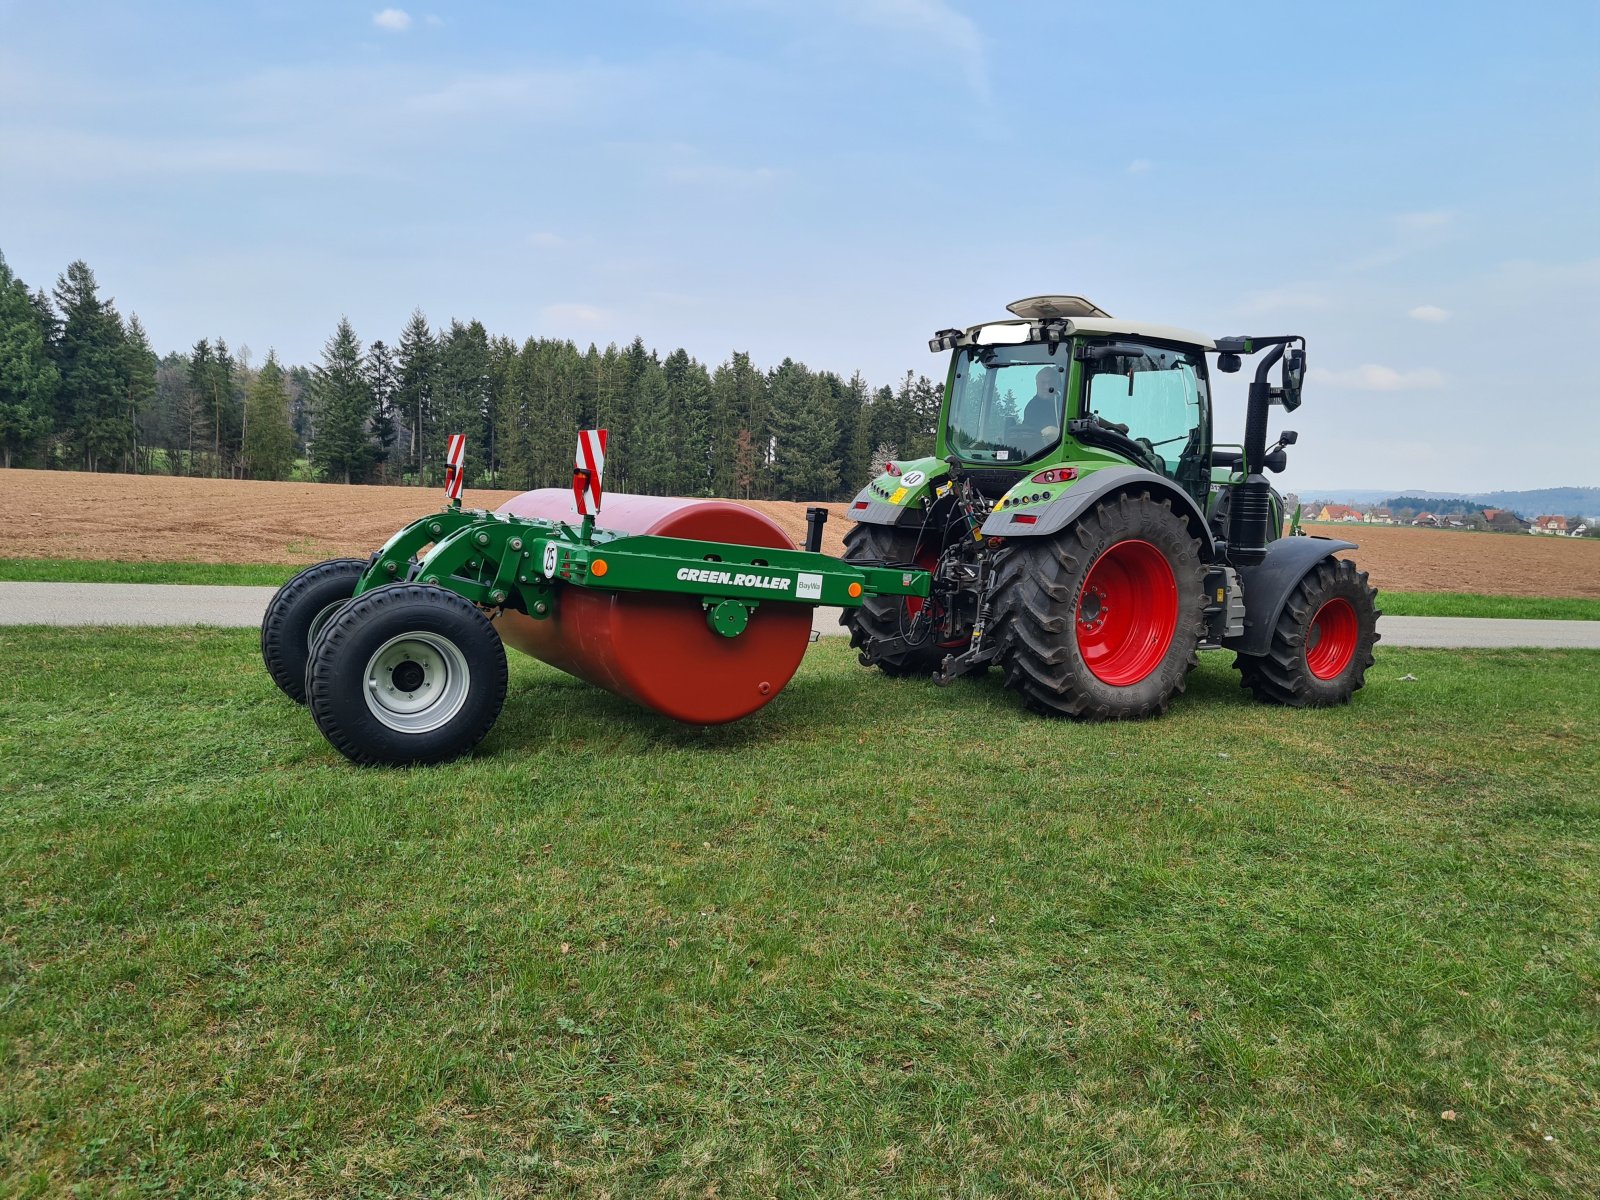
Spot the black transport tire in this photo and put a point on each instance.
(1322, 641)
(1049, 617)
(296, 614)
(407, 673)
(883, 618)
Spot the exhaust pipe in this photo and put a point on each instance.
(1252, 499)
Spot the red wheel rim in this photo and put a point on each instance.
(928, 558)
(1331, 641)
(1127, 613)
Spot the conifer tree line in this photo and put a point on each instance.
(82, 389)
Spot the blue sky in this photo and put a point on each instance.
(1415, 187)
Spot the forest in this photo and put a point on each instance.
(81, 388)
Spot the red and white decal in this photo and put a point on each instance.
(455, 455)
(587, 468)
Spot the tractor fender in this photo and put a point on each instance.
(1267, 585)
(1091, 489)
(875, 505)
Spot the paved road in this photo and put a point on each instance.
(241, 607)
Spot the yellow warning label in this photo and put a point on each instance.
(899, 495)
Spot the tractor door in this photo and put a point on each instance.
(1161, 395)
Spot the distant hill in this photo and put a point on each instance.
(1582, 501)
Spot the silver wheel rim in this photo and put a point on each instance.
(327, 613)
(416, 682)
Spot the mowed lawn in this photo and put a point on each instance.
(881, 939)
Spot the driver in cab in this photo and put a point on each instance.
(1041, 418)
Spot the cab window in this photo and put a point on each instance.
(1160, 395)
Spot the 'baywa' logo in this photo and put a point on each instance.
(772, 583)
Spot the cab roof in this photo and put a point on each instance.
(1075, 315)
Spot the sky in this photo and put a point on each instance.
(1415, 187)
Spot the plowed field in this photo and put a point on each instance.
(64, 514)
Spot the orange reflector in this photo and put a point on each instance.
(854, 589)
(598, 567)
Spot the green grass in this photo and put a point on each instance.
(881, 939)
(1469, 604)
(1400, 604)
(67, 570)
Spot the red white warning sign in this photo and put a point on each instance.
(587, 468)
(455, 455)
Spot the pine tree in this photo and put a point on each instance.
(741, 405)
(383, 381)
(139, 373)
(28, 379)
(805, 430)
(269, 446)
(91, 409)
(461, 394)
(417, 367)
(854, 452)
(341, 404)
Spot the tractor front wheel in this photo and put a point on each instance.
(296, 614)
(1102, 621)
(1322, 642)
(407, 673)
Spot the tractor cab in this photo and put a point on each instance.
(1064, 382)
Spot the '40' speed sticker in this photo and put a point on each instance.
(913, 478)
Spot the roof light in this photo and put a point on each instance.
(945, 339)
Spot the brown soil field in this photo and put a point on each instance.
(65, 514)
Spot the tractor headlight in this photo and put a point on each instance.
(945, 339)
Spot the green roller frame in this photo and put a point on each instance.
(496, 559)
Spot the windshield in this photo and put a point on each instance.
(1005, 403)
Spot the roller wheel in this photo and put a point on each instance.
(295, 616)
(884, 618)
(1322, 644)
(1102, 621)
(407, 673)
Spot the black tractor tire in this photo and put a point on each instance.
(1322, 641)
(295, 615)
(1051, 607)
(883, 618)
(407, 673)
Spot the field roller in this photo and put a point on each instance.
(699, 610)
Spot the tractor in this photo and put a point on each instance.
(1077, 527)
(1085, 533)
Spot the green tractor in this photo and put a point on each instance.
(1085, 532)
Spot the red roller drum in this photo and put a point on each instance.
(657, 650)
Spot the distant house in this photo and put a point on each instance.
(1550, 525)
(1380, 516)
(1501, 521)
(1339, 512)
(1426, 520)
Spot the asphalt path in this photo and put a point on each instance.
(241, 608)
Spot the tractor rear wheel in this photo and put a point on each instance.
(407, 673)
(883, 619)
(296, 614)
(1102, 621)
(1322, 643)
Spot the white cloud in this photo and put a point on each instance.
(1284, 299)
(1140, 166)
(1371, 377)
(395, 20)
(574, 314)
(1424, 222)
(1430, 313)
(936, 26)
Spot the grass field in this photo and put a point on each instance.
(1399, 604)
(879, 940)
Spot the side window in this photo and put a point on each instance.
(1159, 396)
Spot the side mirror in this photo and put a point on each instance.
(1294, 377)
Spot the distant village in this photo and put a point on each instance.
(1483, 520)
